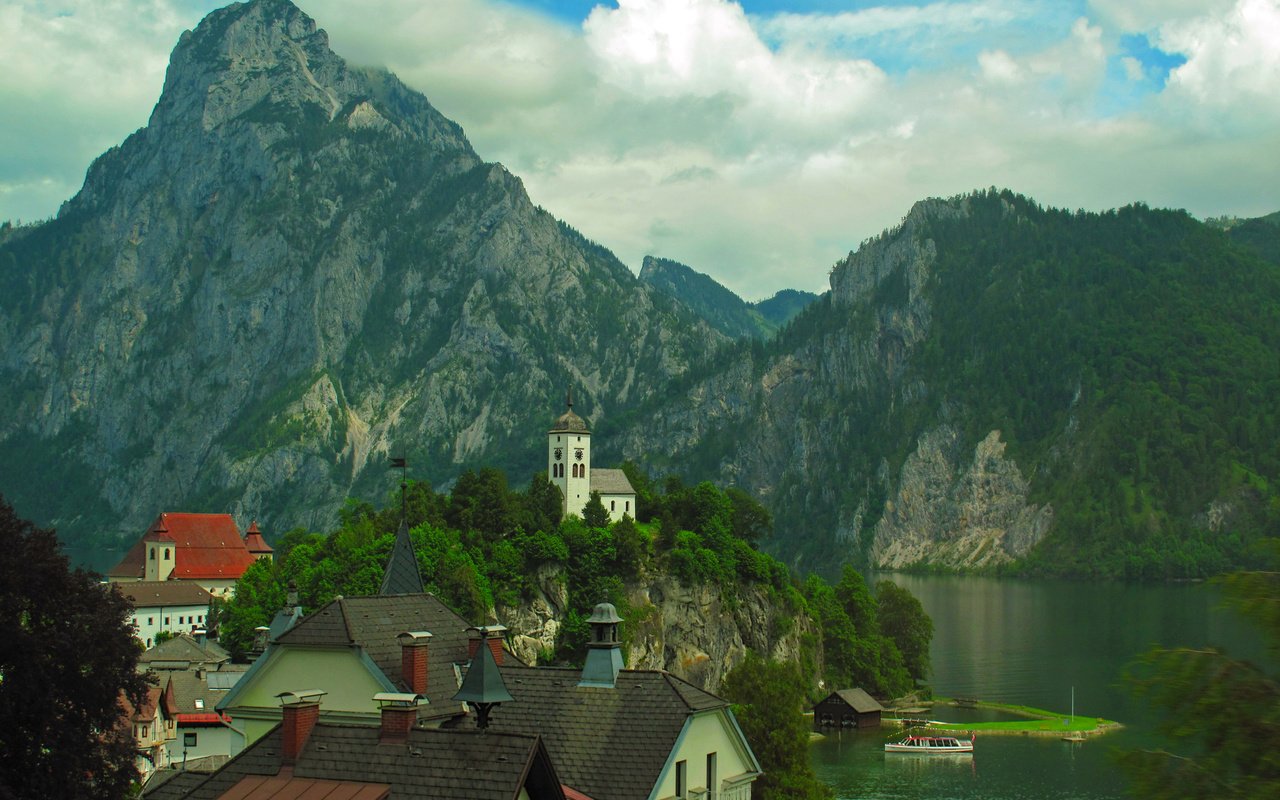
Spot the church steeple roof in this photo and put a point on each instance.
(569, 422)
(402, 576)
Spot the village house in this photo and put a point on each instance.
(206, 549)
(165, 606)
(151, 724)
(197, 673)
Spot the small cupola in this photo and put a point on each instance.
(604, 651)
(483, 687)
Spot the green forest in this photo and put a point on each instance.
(1130, 360)
(478, 545)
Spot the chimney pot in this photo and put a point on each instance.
(301, 711)
(399, 714)
(413, 660)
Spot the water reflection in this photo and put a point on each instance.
(1030, 642)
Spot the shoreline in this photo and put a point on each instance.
(1039, 722)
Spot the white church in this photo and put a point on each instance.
(569, 468)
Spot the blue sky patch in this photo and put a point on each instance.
(1157, 64)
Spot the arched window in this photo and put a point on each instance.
(166, 554)
(153, 554)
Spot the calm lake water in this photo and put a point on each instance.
(1030, 642)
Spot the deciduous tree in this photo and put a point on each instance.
(67, 656)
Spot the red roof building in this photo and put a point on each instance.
(205, 548)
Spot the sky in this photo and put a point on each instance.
(758, 142)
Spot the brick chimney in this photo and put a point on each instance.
(301, 712)
(399, 714)
(413, 660)
(493, 635)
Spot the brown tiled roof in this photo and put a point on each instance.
(434, 763)
(610, 744)
(374, 622)
(145, 594)
(610, 481)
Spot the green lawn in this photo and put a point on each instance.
(1039, 720)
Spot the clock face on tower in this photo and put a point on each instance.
(559, 452)
(578, 454)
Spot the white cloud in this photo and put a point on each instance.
(1231, 59)
(758, 149)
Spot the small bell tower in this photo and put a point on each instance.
(569, 458)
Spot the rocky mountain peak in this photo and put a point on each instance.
(239, 55)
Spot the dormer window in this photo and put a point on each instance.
(199, 702)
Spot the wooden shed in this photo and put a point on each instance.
(847, 708)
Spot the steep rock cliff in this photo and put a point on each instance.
(695, 633)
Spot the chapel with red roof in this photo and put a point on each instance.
(206, 549)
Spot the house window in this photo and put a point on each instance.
(201, 619)
(145, 731)
(180, 622)
(151, 620)
(682, 778)
(166, 620)
(711, 776)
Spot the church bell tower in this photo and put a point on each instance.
(569, 458)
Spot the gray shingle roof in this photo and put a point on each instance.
(374, 622)
(185, 648)
(150, 594)
(454, 764)
(859, 701)
(402, 575)
(610, 481)
(610, 744)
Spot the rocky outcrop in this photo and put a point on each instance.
(946, 511)
(698, 634)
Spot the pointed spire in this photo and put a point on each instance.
(402, 576)
(483, 687)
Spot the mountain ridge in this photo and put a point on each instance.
(294, 268)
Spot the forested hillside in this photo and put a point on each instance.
(485, 548)
(1013, 387)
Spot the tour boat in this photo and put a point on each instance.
(932, 745)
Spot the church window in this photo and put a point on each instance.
(628, 507)
(613, 505)
(166, 554)
(153, 554)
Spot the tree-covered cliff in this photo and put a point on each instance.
(994, 382)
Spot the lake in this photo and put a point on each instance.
(1030, 642)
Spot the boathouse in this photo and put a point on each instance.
(847, 708)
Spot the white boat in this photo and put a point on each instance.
(930, 745)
